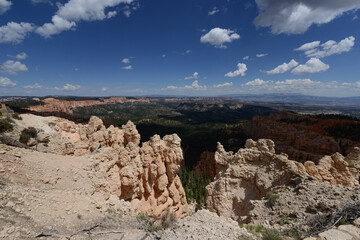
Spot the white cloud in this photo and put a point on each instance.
(188, 51)
(352, 85)
(164, 55)
(6, 82)
(308, 46)
(104, 89)
(129, 67)
(214, 11)
(314, 65)
(227, 84)
(4, 6)
(194, 76)
(35, 86)
(194, 86)
(57, 26)
(111, 14)
(68, 87)
(296, 16)
(218, 36)
(304, 86)
(246, 58)
(21, 56)
(13, 67)
(75, 11)
(259, 55)
(126, 60)
(42, 1)
(256, 82)
(287, 85)
(240, 71)
(283, 67)
(15, 32)
(331, 47)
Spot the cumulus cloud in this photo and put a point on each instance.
(240, 71)
(257, 82)
(314, 65)
(126, 60)
(13, 67)
(296, 16)
(259, 55)
(68, 87)
(194, 76)
(308, 46)
(246, 58)
(289, 84)
(194, 86)
(57, 26)
(227, 84)
(129, 67)
(35, 86)
(111, 14)
(214, 11)
(283, 67)
(4, 6)
(331, 47)
(21, 56)
(15, 32)
(218, 37)
(75, 11)
(6, 82)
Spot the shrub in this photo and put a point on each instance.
(271, 199)
(5, 125)
(26, 134)
(271, 234)
(167, 219)
(16, 116)
(147, 223)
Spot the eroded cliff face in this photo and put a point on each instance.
(303, 138)
(252, 172)
(56, 105)
(145, 175)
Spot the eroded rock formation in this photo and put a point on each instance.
(56, 105)
(303, 138)
(146, 176)
(255, 170)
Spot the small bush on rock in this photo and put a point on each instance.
(5, 125)
(271, 199)
(271, 234)
(16, 116)
(26, 134)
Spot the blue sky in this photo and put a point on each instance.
(188, 47)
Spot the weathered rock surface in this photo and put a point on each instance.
(303, 138)
(206, 165)
(206, 225)
(146, 176)
(56, 105)
(252, 172)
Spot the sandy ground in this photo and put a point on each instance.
(42, 192)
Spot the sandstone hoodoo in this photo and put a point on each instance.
(252, 172)
(146, 176)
